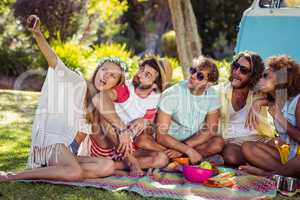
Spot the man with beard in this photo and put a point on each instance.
(237, 97)
(132, 108)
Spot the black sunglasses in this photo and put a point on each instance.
(265, 75)
(244, 70)
(199, 75)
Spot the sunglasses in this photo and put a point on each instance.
(199, 75)
(265, 75)
(244, 70)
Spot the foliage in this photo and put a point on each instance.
(57, 16)
(224, 69)
(106, 14)
(14, 62)
(75, 56)
(168, 40)
(218, 20)
(118, 50)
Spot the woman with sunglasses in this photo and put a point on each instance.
(237, 96)
(280, 82)
(188, 115)
(65, 110)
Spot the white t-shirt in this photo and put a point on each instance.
(236, 123)
(129, 106)
(60, 112)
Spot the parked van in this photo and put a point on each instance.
(271, 27)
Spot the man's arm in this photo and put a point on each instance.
(162, 136)
(209, 130)
(42, 43)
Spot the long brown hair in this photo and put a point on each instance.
(92, 115)
(287, 73)
(256, 63)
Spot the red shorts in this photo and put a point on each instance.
(97, 151)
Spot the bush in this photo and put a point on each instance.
(224, 69)
(168, 40)
(14, 62)
(76, 57)
(117, 50)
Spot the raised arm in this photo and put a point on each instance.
(34, 26)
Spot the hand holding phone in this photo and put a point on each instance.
(33, 23)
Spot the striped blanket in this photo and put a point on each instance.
(173, 185)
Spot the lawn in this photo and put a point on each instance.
(16, 114)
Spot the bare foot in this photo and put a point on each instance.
(253, 170)
(194, 155)
(134, 166)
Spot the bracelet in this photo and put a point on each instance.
(117, 130)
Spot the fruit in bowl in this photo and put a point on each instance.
(182, 160)
(195, 174)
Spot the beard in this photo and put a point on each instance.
(242, 85)
(137, 84)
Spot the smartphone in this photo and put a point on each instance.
(33, 22)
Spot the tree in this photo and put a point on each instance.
(60, 18)
(104, 15)
(187, 38)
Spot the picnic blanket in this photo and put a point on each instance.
(163, 184)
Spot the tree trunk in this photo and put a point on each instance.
(187, 38)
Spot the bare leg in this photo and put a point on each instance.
(66, 168)
(170, 142)
(146, 159)
(266, 157)
(131, 161)
(211, 147)
(291, 168)
(232, 155)
(96, 167)
(147, 142)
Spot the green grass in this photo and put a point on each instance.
(16, 116)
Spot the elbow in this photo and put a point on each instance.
(160, 138)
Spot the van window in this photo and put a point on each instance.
(290, 4)
(268, 3)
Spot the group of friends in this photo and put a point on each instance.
(110, 125)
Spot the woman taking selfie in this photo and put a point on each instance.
(65, 112)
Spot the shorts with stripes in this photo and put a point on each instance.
(97, 151)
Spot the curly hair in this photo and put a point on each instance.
(287, 70)
(256, 63)
(204, 63)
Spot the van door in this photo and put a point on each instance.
(271, 27)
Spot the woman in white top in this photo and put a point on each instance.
(65, 110)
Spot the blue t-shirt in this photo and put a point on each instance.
(187, 111)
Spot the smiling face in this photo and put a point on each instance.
(145, 78)
(107, 76)
(240, 79)
(268, 81)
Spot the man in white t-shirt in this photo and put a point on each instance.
(133, 107)
(237, 97)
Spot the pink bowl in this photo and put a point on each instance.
(196, 174)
